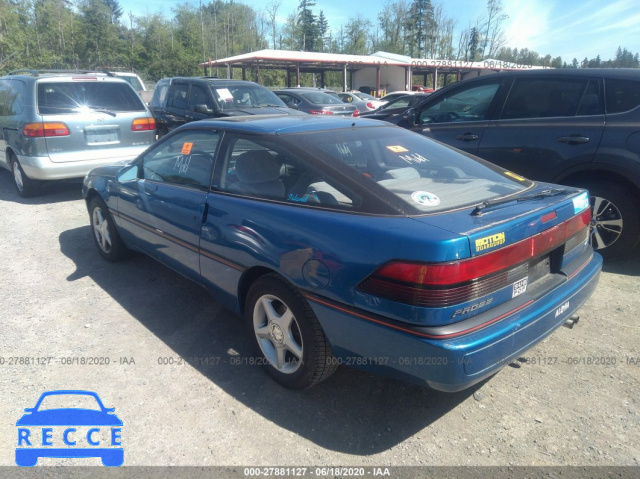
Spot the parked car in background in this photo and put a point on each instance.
(422, 89)
(180, 100)
(315, 102)
(352, 99)
(396, 94)
(59, 125)
(397, 106)
(356, 243)
(375, 102)
(578, 127)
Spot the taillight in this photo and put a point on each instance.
(143, 124)
(356, 113)
(445, 284)
(39, 130)
(321, 112)
(370, 105)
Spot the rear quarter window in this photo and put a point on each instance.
(78, 97)
(544, 98)
(621, 95)
(11, 97)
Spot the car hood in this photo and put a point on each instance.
(69, 417)
(504, 224)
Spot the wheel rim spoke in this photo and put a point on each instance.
(101, 230)
(614, 226)
(17, 176)
(275, 327)
(280, 354)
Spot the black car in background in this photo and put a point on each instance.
(578, 127)
(316, 102)
(179, 100)
(396, 106)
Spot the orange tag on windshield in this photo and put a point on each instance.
(186, 148)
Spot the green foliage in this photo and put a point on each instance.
(86, 34)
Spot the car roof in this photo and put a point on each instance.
(283, 124)
(214, 80)
(621, 73)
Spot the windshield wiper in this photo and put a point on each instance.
(101, 109)
(535, 196)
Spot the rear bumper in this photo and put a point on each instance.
(42, 168)
(452, 363)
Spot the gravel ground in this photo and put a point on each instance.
(575, 401)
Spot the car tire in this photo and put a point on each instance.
(104, 232)
(25, 186)
(615, 224)
(287, 333)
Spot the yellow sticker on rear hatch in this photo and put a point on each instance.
(490, 241)
(186, 148)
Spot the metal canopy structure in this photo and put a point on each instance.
(381, 70)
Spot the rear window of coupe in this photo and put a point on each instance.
(424, 174)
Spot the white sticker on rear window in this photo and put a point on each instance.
(580, 203)
(224, 94)
(519, 287)
(425, 198)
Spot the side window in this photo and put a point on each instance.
(544, 98)
(261, 169)
(186, 159)
(471, 104)
(5, 92)
(288, 99)
(11, 97)
(199, 96)
(178, 96)
(621, 95)
(159, 94)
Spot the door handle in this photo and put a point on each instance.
(467, 137)
(573, 139)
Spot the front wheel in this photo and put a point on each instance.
(288, 334)
(615, 218)
(105, 235)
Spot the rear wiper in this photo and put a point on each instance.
(101, 109)
(535, 196)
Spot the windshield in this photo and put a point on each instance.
(403, 102)
(81, 97)
(425, 174)
(241, 96)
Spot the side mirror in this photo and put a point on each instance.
(410, 115)
(204, 109)
(28, 409)
(128, 173)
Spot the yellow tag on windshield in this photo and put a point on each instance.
(397, 149)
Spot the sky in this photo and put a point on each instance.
(566, 28)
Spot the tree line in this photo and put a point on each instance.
(90, 34)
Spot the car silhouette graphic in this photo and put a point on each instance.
(47, 418)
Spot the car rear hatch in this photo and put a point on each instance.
(529, 243)
(344, 110)
(92, 118)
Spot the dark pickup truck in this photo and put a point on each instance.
(179, 100)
